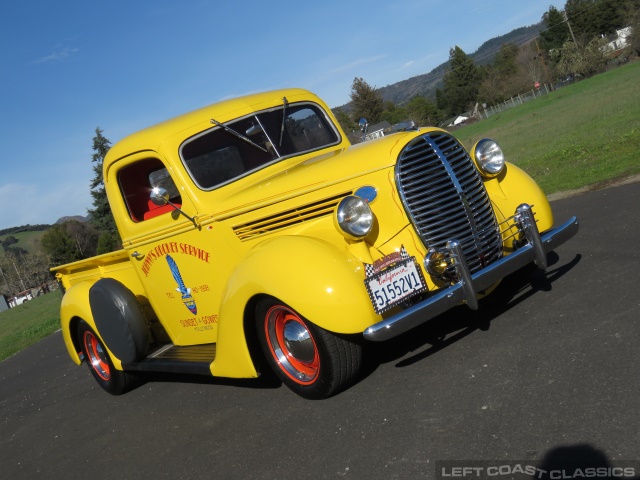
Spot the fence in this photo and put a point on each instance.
(483, 112)
(514, 101)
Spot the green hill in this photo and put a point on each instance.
(28, 240)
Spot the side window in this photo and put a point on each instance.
(137, 180)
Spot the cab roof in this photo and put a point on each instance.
(152, 137)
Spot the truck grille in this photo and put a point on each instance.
(445, 198)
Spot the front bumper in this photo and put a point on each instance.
(469, 285)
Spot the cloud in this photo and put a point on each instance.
(32, 204)
(357, 63)
(58, 55)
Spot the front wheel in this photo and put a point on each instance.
(311, 361)
(114, 381)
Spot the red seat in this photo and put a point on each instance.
(155, 210)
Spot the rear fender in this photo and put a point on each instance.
(319, 280)
(74, 307)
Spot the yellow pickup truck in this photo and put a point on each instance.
(256, 236)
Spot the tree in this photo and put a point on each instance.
(101, 214)
(594, 18)
(58, 244)
(345, 121)
(393, 113)
(531, 63)
(556, 32)
(585, 61)
(70, 241)
(502, 78)
(367, 101)
(23, 271)
(461, 83)
(422, 111)
(634, 38)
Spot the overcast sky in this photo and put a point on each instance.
(71, 66)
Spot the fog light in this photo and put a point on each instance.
(436, 262)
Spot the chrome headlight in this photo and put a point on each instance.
(489, 157)
(354, 217)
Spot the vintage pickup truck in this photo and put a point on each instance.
(256, 236)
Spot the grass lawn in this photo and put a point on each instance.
(25, 324)
(580, 135)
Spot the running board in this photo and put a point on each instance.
(192, 359)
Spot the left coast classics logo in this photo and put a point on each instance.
(187, 299)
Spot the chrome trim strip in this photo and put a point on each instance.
(454, 295)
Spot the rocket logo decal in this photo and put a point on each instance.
(187, 299)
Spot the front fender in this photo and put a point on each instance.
(319, 280)
(514, 187)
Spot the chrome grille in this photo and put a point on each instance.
(445, 198)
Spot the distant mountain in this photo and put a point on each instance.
(78, 218)
(425, 85)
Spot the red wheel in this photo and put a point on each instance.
(100, 365)
(311, 361)
(96, 356)
(291, 344)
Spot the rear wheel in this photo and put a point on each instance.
(116, 382)
(311, 361)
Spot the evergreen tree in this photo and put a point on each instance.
(344, 120)
(461, 82)
(101, 215)
(393, 113)
(367, 101)
(556, 32)
(422, 111)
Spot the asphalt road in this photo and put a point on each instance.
(549, 378)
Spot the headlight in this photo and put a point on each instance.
(489, 157)
(354, 217)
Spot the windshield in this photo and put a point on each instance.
(238, 148)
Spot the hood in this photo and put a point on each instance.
(300, 175)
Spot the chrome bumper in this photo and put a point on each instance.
(469, 285)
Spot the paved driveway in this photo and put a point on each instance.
(552, 375)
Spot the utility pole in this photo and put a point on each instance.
(544, 64)
(566, 19)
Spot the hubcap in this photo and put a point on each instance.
(298, 341)
(292, 345)
(97, 356)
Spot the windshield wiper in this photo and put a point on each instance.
(239, 135)
(284, 116)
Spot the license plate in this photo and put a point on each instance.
(395, 284)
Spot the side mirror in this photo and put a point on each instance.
(159, 196)
(363, 127)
